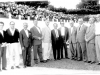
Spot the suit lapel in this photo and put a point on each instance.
(9, 32)
(36, 29)
(24, 32)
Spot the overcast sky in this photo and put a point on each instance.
(68, 4)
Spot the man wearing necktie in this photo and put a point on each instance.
(2, 47)
(25, 40)
(55, 42)
(37, 42)
(90, 41)
(64, 35)
(80, 39)
(72, 39)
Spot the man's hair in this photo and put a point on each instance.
(2, 23)
(12, 22)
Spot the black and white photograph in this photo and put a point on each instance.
(49, 37)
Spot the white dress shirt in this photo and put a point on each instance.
(71, 30)
(26, 31)
(12, 31)
(56, 31)
(38, 29)
(63, 31)
(1, 31)
(97, 28)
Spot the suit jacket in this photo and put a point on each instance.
(66, 37)
(46, 35)
(90, 34)
(24, 40)
(3, 37)
(54, 39)
(35, 33)
(81, 34)
(72, 36)
(12, 38)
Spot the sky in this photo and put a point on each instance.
(68, 4)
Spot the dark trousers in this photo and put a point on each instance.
(3, 57)
(26, 53)
(56, 51)
(37, 49)
(63, 46)
(73, 50)
(81, 51)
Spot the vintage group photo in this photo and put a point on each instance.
(49, 35)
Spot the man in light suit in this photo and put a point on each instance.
(46, 41)
(37, 42)
(90, 41)
(72, 39)
(25, 40)
(64, 35)
(55, 42)
(2, 47)
(81, 43)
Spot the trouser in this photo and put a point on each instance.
(56, 51)
(3, 57)
(81, 51)
(46, 50)
(73, 50)
(26, 53)
(97, 45)
(37, 49)
(14, 55)
(63, 45)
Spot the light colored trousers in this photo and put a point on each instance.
(13, 54)
(97, 45)
(46, 50)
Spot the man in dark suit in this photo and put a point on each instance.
(25, 40)
(81, 43)
(64, 35)
(55, 42)
(37, 41)
(72, 39)
(2, 47)
(13, 40)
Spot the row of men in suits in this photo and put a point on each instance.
(84, 41)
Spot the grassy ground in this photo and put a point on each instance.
(69, 64)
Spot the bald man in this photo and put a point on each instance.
(25, 40)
